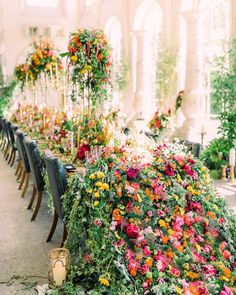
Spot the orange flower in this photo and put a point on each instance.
(116, 214)
(137, 210)
(133, 272)
(192, 275)
(148, 192)
(227, 272)
(119, 192)
(139, 256)
(169, 254)
(165, 239)
(149, 262)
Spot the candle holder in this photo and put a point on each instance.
(58, 267)
(231, 173)
(223, 172)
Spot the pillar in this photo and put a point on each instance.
(193, 95)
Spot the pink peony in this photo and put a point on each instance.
(129, 254)
(209, 270)
(132, 231)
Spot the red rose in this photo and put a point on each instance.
(82, 150)
(132, 231)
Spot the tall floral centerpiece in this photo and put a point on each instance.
(89, 55)
(43, 62)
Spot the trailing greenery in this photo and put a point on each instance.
(223, 92)
(215, 155)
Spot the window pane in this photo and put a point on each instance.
(42, 3)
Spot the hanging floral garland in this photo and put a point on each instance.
(90, 63)
(42, 59)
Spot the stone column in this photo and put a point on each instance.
(233, 17)
(193, 95)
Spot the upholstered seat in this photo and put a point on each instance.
(57, 182)
(24, 161)
(36, 168)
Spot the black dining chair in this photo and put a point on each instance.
(12, 151)
(57, 182)
(24, 162)
(36, 167)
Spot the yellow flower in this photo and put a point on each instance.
(92, 176)
(74, 58)
(170, 231)
(162, 223)
(100, 174)
(105, 186)
(96, 195)
(88, 67)
(99, 183)
(104, 281)
(179, 179)
(179, 290)
(95, 204)
(83, 71)
(90, 191)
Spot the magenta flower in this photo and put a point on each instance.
(132, 231)
(132, 173)
(169, 171)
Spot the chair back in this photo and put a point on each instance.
(57, 181)
(21, 149)
(10, 130)
(194, 147)
(35, 163)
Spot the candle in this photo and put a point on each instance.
(56, 73)
(59, 272)
(72, 143)
(44, 120)
(51, 71)
(232, 157)
(78, 137)
(31, 121)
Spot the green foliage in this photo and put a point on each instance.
(6, 91)
(223, 92)
(215, 155)
(121, 75)
(166, 71)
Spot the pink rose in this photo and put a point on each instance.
(145, 285)
(143, 269)
(226, 291)
(226, 254)
(132, 231)
(98, 222)
(175, 271)
(146, 251)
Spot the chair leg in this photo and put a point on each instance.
(53, 227)
(26, 184)
(36, 210)
(13, 158)
(32, 198)
(18, 167)
(22, 179)
(64, 235)
(6, 153)
(21, 170)
(11, 155)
